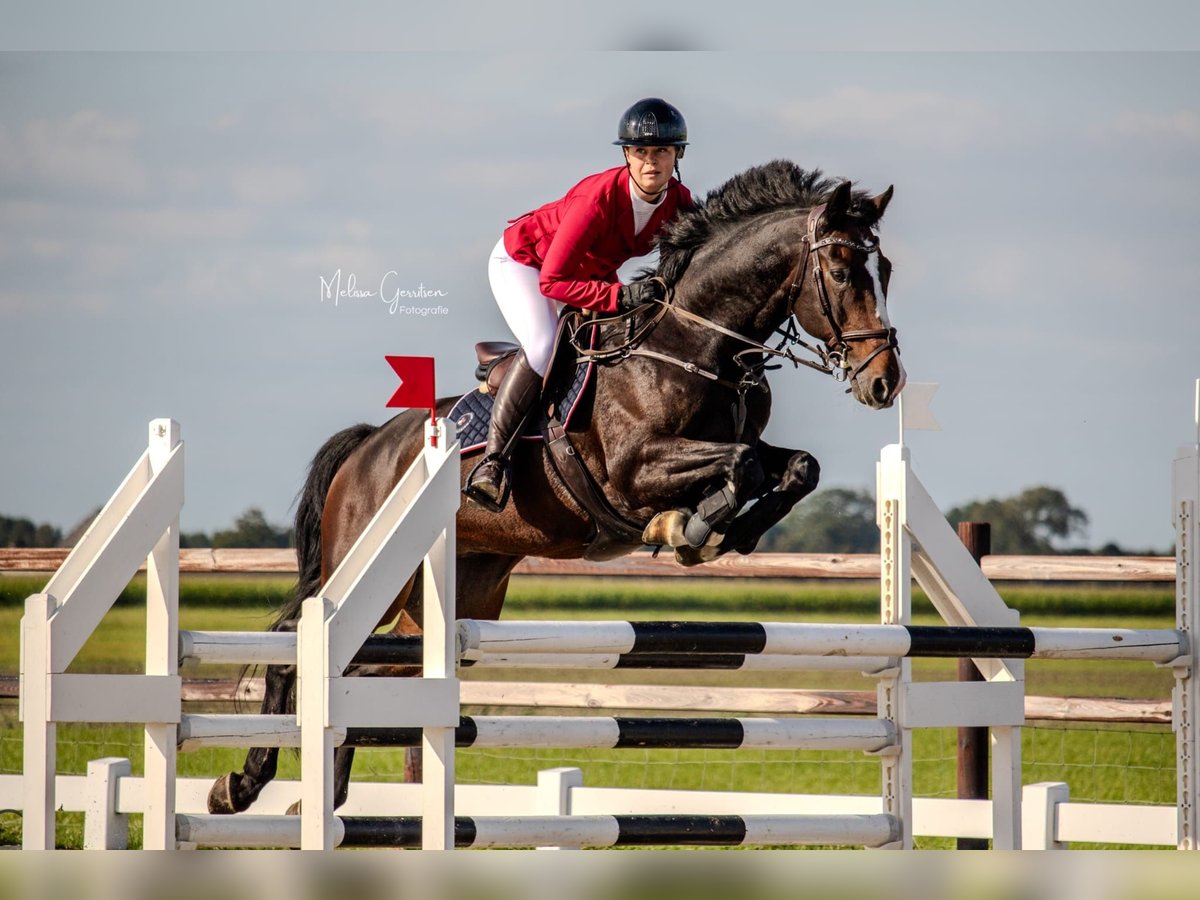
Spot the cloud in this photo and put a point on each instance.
(13, 303)
(48, 248)
(95, 260)
(1181, 126)
(400, 117)
(324, 259)
(86, 149)
(171, 224)
(999, 271)
(269, 185)
(919, 119)
(501, 175)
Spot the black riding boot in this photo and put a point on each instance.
(514, 400)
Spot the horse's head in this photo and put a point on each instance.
(839, 294)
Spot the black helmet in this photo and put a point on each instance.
(652, 123)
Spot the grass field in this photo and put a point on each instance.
(1109, 763)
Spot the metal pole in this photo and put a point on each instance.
(973, 742)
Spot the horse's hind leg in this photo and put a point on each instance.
(235, 791)
(343, 760)
(482, 586)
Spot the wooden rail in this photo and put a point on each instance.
(759, 565)
(684, 698)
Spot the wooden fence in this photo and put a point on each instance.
(1141, 569)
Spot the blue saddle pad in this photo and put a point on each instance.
(473, 411)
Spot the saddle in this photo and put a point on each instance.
(496, 356)
(563, 388)
(494, 359)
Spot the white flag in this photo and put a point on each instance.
(915, 414)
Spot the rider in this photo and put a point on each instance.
(568, 252)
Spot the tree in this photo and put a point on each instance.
(1030, 522)
(24, 533)
(190, 539)
(253, 530)
(835, 520)
(842, 520)
(76, 531)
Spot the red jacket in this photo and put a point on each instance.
(579, 241)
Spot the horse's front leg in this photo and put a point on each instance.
(797, 473)
(672, 471)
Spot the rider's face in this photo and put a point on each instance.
(650, 167)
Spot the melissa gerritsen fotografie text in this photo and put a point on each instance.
(389, 292)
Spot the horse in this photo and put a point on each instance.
(672, 443)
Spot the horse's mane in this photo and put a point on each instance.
(778, 184)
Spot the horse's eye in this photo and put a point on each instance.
(838, 275)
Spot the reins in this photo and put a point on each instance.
(834, 356)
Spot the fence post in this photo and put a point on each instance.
(162, 658)
(554, 788)
(40, 747)
(103, 827)
(1186, 694)
(895, 590)
(316, 737)
(1039, 815)
(440, 658)
(973, 742)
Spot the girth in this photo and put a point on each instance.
(614, 533)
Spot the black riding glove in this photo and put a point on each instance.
(634, 294)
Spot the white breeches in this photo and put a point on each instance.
(531, 316)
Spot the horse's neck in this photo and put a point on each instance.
(746, 301)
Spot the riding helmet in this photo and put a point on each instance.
(652, 122)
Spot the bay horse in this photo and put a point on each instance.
(672, 442)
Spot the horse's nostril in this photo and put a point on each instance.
(880, 389)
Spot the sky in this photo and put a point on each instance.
(170, 212)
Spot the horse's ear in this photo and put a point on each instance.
(839, 201)
(880, 202)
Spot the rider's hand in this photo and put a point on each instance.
(636, 293)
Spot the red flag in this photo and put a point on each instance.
(416, 382)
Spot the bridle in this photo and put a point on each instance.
(834, 355)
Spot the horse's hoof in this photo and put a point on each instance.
(666, 529)
(706, 552)
(294, 809)
(220, 796)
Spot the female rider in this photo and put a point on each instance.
(568, 252)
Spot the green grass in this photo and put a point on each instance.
(750, 598)
(1102, 763)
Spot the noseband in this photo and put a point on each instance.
(836, 353)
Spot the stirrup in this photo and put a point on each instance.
(475, 495)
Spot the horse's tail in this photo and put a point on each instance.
(321, 470)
